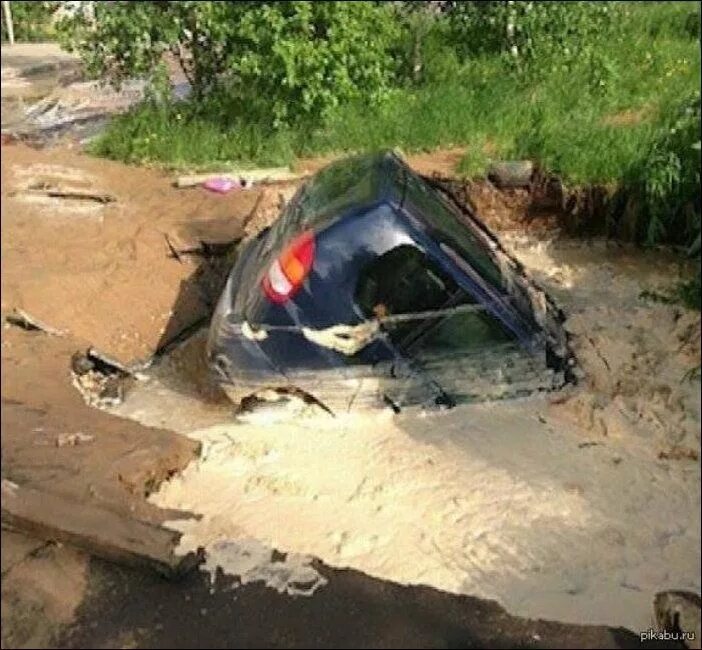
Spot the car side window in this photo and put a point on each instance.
(405, 281)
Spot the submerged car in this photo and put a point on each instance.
(376, 288)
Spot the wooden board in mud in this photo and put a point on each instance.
(98, 531)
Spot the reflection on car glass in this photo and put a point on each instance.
(463, 332)
(450, 228)
(405, 281)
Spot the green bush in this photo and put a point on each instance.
(305, 58)
(279, 60)
(31, 21)
(425, 50)
(129, 39)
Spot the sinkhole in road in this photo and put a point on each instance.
(562, 508)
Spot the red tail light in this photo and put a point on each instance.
(289, 271)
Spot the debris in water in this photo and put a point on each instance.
(98, 390)
(99, 379)
(253, 561)
(585, 445)
(678, 453)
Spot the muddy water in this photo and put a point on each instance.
(176, 392)
(640, 356)
(578, 511)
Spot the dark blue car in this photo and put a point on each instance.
(375, 287)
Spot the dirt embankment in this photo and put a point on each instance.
(102, 272)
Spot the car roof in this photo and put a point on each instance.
(352, 184)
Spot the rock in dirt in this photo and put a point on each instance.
(506, 174)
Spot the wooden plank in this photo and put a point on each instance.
(250, 176)
(71, 193)
(97, 531)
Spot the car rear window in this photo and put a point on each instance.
(402, 281)
(405, 281)
(461, 332)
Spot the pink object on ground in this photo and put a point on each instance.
(221, 185)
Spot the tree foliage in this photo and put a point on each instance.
(31, 21)
(287, 59)
(525, 30)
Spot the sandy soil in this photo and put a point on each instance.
(640, 357)
(83, 270)
(40, 408)
(502, 502)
